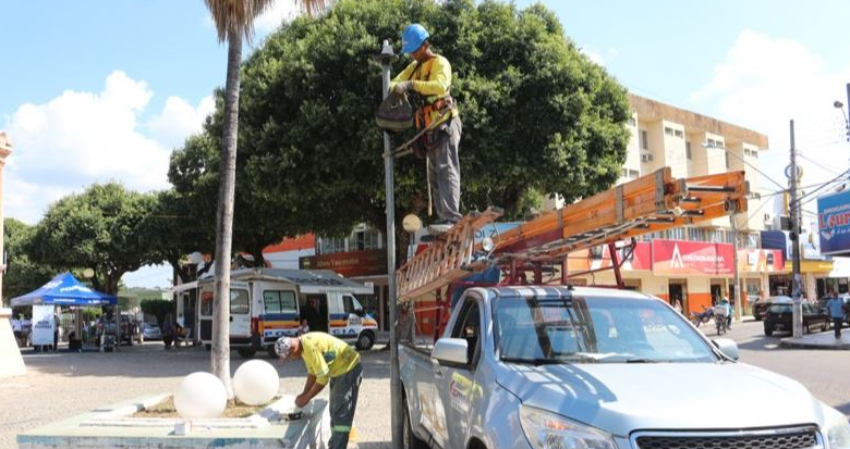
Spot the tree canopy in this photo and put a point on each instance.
(102, 228)
(537, 114)
(22, 274)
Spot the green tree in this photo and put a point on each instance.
(538, 115)
(102, 229)
(22, 274)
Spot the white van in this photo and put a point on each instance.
(266, 304)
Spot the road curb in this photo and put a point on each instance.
(791, 343)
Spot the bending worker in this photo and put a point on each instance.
(430, 75)
(328, 359)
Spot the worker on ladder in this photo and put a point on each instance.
(430, 75)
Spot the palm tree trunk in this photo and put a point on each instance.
(224, 220)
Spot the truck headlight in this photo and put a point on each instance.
(546, 430)
(838, 432)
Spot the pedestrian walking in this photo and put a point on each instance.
(328, 360)
(430, 76)
(677, 304)
(17, 329)
(837, 309)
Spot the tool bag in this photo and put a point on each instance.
(395, 114)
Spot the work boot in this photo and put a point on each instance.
(440, 227)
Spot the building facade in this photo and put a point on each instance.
(694, 264)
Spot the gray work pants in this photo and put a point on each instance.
(344, 390)
(444, 171)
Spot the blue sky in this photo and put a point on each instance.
(100, 90)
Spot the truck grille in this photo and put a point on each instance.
(785, 438)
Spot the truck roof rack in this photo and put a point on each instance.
(652, 203)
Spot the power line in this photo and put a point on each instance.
(818, 164)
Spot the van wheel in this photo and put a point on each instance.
(271, 352)
(365, 341)
(246, 353)
(409, 439)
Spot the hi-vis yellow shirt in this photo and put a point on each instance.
(327, 356)
(432, 79)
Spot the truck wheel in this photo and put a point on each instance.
(246, 353)
(365, 341)
(409, 439)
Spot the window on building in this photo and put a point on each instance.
(711, 143)
(719, 144)
(644, 140)
(364, 240)
(688, 150)
(634, 174)
(332, 245)
(624, 173)
(668, 130)
(632, 121)
(680, 134)
(755, 153)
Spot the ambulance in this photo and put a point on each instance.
(267, 303)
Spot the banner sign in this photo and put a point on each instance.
(675, 258)
(834, 223)
(350, 264)
(43, 325)
(761, 260)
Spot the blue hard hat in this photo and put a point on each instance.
(413, 37)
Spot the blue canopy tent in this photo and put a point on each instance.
(64, 290)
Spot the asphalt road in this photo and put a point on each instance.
(825, 373)
(60, 385)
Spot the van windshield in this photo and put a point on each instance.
(601, 330)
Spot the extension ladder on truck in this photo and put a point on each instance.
(652, 203)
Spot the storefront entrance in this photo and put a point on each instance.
(678, 290)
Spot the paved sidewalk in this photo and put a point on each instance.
(821, 340)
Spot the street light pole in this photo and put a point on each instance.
(387, 57)
(739, 292)
(796, 288)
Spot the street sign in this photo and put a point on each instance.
(799, 172)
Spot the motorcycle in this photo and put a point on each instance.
(703, 317)
(721, 315)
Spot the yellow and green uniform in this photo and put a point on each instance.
(326, 356)
(432, 79)
(333, 360)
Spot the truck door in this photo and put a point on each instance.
(240, 310)
(337, 317)
(457, 384)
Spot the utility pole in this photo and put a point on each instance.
(387, 57)
(796, 288)
(739, 292)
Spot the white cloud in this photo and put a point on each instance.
(593, 56)
(179, 119)
(280, 11)
(763, 83)
(80, 138)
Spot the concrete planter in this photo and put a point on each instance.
(115, 427)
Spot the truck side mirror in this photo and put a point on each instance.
(360, 312)
(727, 346)
(451, 350)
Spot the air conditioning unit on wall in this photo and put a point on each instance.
(646, 157)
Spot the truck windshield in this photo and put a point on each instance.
(599, 330)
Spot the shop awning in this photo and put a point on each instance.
(308, 281)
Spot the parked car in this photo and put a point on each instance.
(760, 307)
(558, 367)
(779, 318)
(151, 331)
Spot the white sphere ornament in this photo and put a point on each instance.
(256, 382)
(200, 395)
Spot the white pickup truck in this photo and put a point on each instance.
(557, 367)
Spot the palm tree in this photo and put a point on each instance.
(234, 19)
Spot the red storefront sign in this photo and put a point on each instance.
(673, 257)
(353, 264)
